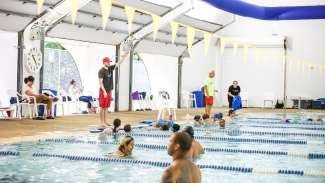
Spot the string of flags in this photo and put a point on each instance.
(106, 6)
(300, 64)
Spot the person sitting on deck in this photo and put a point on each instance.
(196, 149)
(182, 169)
(40, 98)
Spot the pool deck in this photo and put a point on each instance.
(12, 131)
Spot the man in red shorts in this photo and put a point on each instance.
(209, 92)
(105, 76)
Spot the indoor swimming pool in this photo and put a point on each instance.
(250, 152)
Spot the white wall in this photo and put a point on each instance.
(197, 66)
(162, 71)
(8, 62)
(254, 77)
(306, 42)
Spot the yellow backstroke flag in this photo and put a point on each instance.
(207, 40)
(246, 46)
(235, 46)
(174, 29)
(130, 14)
(223, 42)
(190, 37)
(106, 6)
(39, 6)
(74, 10)
(156, 24)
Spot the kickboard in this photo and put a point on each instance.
(96, 130)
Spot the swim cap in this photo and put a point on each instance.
(218, 115)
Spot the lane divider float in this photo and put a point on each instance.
(166, 164)
(207, 149)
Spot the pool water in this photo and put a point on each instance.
(27, 168)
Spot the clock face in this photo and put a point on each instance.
(34, 60)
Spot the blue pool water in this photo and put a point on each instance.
(29, 168)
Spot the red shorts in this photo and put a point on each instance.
(208, 100)
(105, 102)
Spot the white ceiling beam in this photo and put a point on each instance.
(165, 19)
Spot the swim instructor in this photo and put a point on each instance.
(105, 76)
(233, 90)
(209, 92)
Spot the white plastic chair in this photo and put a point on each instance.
(4, 109)
(30, 103)
(269, 97)
(189, 99)
(165, 105)
(137, 101)
(244, 98)
(95, 101)
(19, 105)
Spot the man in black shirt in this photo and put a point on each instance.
(234, 90)
(105, 76)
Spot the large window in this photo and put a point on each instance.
(59, 68)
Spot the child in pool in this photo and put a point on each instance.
(176, 128)
(115, 129)
(125, 148)
(198, 120)
(231, 116)
(206, 119)
(127, 128)
(110, 130)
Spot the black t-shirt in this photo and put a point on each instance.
(234, 91)
(107, 75)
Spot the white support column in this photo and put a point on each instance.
(126, 77)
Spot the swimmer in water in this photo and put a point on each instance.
(175, 128)
(198, 120)
(196, 148)
(127, 128)
(231, 116)
(182, 170)
(126, 147)
(115, 129)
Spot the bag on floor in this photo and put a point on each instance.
(236, 104)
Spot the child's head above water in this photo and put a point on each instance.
(205, 116)
(231, 113)
(165, 127)
(116, 123)
(197, 118)
(126, 145)
(127, 128)
(176, 128)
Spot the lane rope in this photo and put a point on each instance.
(9, 153)
(201, 129)
(207, 149)
(231, 139)
(166, 164)
(282, 126)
